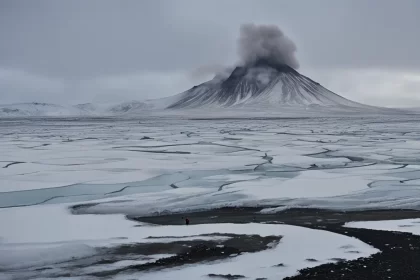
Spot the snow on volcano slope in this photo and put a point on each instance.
(262, 83)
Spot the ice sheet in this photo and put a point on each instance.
(151, 165)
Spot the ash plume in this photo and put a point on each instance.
(266, 42)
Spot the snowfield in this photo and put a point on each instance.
(149, 165)
(52, 236)
(406, 225)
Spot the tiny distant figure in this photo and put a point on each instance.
(187, 221)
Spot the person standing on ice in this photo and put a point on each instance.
(187, 221)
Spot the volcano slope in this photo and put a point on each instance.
(262, 83)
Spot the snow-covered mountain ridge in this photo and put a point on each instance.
(263, 87)
(37, 109)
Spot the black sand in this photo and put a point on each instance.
(303, 217)
(400, 252)
(186, 252)
(399, 258)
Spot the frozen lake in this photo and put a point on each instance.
(145, 166)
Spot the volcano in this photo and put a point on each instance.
(262, 83)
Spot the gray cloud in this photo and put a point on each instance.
(18, 85)
(151, 47)
(84, 39)
(266, 42)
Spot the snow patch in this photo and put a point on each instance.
(406, 225)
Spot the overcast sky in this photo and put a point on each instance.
(77, 51)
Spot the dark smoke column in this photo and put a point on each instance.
(266, 42)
